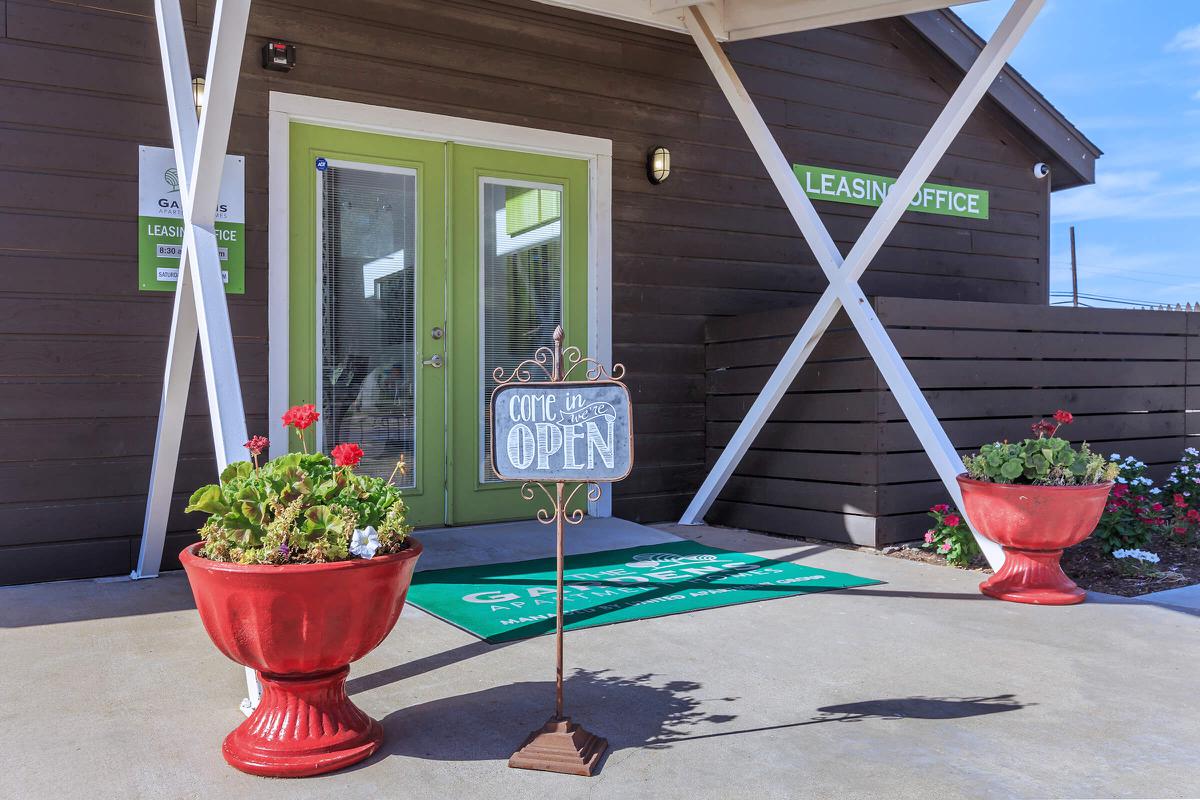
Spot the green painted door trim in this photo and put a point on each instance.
(449, 489)
(427, 500)
(470, 499)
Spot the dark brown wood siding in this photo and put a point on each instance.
(838, 460)
(81, 87)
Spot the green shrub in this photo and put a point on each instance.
(301, 507)
(1133, 513)
(298, 508)
(1044, 461)
(950, 537)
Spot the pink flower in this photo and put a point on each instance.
(940, 508)
(928, 537)
(1180, 501)
(257, 445)
(945, 548)
(951, 520)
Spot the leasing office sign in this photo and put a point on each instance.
(863, 189)
(160, 221)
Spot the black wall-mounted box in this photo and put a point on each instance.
(279, 56)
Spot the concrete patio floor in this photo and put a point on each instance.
(918, 688)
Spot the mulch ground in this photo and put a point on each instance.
(1178, 565)
(1096, 571)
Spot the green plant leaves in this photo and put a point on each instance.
(207, 499)
(238, 469)
(1048, 461)
(300, 500)
(1012, 469)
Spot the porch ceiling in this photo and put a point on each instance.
(732, 20)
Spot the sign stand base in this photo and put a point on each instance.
(560, 746)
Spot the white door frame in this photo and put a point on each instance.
(288, 108)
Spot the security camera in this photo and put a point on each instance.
(1041, 170)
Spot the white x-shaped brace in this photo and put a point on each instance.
(200, 306)
(843, 274)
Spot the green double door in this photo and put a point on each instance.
(417, 268)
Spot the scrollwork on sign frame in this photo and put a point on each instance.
(543, 359)
(549, 515)
(593, 369)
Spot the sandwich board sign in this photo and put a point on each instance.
(160, 221)
(571, 431)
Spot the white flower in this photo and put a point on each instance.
(1156, 490)
(1140, 555)
(1191, 451)
(364, 542)
(1184, 470)
(1121, 480)
(1115, 457)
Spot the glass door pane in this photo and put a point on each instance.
(368, 309)
(519, 233)
(522, 276)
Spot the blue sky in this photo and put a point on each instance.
(1128, 76)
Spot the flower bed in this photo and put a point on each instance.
(1148, 539)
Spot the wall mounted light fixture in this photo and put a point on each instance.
(198, 93)
(658, 165)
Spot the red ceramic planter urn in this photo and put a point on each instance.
(300, 626)
(1034, 524)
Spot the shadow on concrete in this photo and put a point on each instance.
(100, 598)
(894, 708)
(488, 725)
(420, 666)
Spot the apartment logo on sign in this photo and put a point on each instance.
(160, 221)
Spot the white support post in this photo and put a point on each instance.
(200, 304)
(843, 290)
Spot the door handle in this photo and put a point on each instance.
(434, 361)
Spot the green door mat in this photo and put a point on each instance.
(504, 602)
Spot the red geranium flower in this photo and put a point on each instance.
(346, 455)
(1043, 428)
(951, 520)
(1180, 501)
(301, 417)
(940, 508)
(1193, 515)
(1156, 507)
(257, 445)
(1063, 417)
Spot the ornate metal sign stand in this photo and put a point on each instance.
(560, 745)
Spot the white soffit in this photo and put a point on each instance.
(732, 20)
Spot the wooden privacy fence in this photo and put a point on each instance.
(838, 461)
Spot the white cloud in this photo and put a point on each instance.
(1128, 195)
(1186, 39)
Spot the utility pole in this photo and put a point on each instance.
(1074, 272)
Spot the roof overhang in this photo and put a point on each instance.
(733, 20)
(1072, 155)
